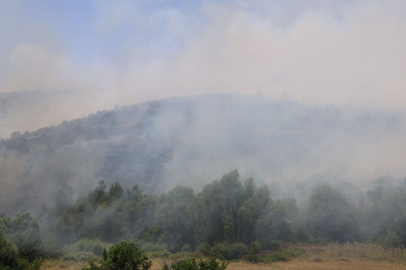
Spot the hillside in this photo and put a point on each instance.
(193, 140)
(30, 110)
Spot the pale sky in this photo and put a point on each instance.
(319, 51)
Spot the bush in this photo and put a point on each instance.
(276, 257)
(389, 240)
(204, 248)
(10, 258)
(36, 264)
(23, 231)
(191, 264)
(8, 252)
(281, 256)
(253, 258)
(225, 251)
(256, 247)
(293, 252)
(124, 256)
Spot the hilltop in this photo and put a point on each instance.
(192, 140)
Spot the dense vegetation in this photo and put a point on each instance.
(146, 151)
(124, 256)
(192, 264)
(191, 140)
(14, 257)
(228, 219)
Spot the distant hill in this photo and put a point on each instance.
(192, 140)
(29, 110)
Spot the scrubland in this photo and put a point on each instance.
(331, 256)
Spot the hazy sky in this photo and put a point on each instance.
(319, 51)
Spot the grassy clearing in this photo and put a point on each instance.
(296, 263)
(326, 264)
(366, 252)
(332, 256)
(61, 264)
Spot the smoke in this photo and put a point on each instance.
(11, 169)
(286, 142)
(320, 52)
(354, 59)
(348, 54)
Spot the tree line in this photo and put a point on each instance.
(227, 214)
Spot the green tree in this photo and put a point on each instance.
(253, 208)
(386, 214)
(227, 209)
(8, 253)
(173, 218)
(116, 191)
(278, 222)
(214, 210)
(192, 264)
(124, 256)
(24, 231)
(133, 194)
(95, 195)
(331, 217)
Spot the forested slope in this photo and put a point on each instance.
(192, 140)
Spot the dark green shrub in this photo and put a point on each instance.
(256, 247)
(253, 258)
(226, 251)
(281, 256)
(10, 258)
(389, 240)
(293, 252)
(124, 256)
(192, 264)
(238, 250)
(23, 231)
(36, 264)
(205, 249)
(8, 252)
(276, 257)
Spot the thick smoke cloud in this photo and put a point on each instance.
(348, 54)
(122, 52)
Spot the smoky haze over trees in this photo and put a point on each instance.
(229, 219)
(188, 141)
(225, 127)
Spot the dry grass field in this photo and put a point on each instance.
(290, 265)
(335, 257)
(327, 264)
